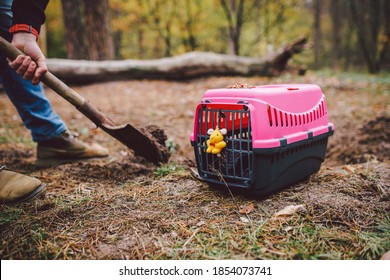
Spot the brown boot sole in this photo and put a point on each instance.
(38, 192)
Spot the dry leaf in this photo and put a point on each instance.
(349, 168)
(174, 234)
(124, 153)
(287, 229)
(241, 85)
(249, 208)
(234, 244)
(244, 220)
(290, 210)
(201, 223)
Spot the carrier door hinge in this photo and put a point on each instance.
(245, 103)
(283, 144)
(204, 102)
(330, 129)
(310, 136)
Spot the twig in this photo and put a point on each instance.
(189, 239)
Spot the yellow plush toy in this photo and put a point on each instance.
(215, 144)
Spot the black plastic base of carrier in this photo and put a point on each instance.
(275, 169)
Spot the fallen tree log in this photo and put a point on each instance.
(186, 66)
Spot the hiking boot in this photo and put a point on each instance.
(65, 148)
(16, 187)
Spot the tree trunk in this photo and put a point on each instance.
(74, 29)
(187, 66)
(141, 23)
(384, 56)
(280, 60)
(317, 33)
(258, 6)
(98, 35)
(336, 16)
(190, 39)
(365, 15)
(161, 15)
(235, 19)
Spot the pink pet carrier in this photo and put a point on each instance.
(273, 136)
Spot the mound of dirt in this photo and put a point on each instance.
(158, 138)
(375, 138)
(370, 142)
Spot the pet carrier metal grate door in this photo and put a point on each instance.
(234, 165)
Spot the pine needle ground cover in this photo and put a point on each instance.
(125, 208)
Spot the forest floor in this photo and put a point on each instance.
(124, 208)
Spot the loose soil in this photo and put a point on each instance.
(123, 207)
(157, 137)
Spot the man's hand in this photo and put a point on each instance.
(31, 66)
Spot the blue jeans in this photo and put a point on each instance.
(30, 100)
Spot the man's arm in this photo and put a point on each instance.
(28, 16)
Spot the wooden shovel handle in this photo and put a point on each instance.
(62, 89)
(49, 79)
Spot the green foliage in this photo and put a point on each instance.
(3, 140)
(147, 29)
(167, 169)
(10, 133)
(376, 242)
(55, 30)
(10, 215)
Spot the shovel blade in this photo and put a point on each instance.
(141, 143)
(147, 143)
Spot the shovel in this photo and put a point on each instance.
(142, 145)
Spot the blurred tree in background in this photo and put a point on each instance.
(234, 12)
(55, 30)
(372, 29)
(76, 44)
(344, 34)
(87, 29)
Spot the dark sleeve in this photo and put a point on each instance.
(31, 12)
